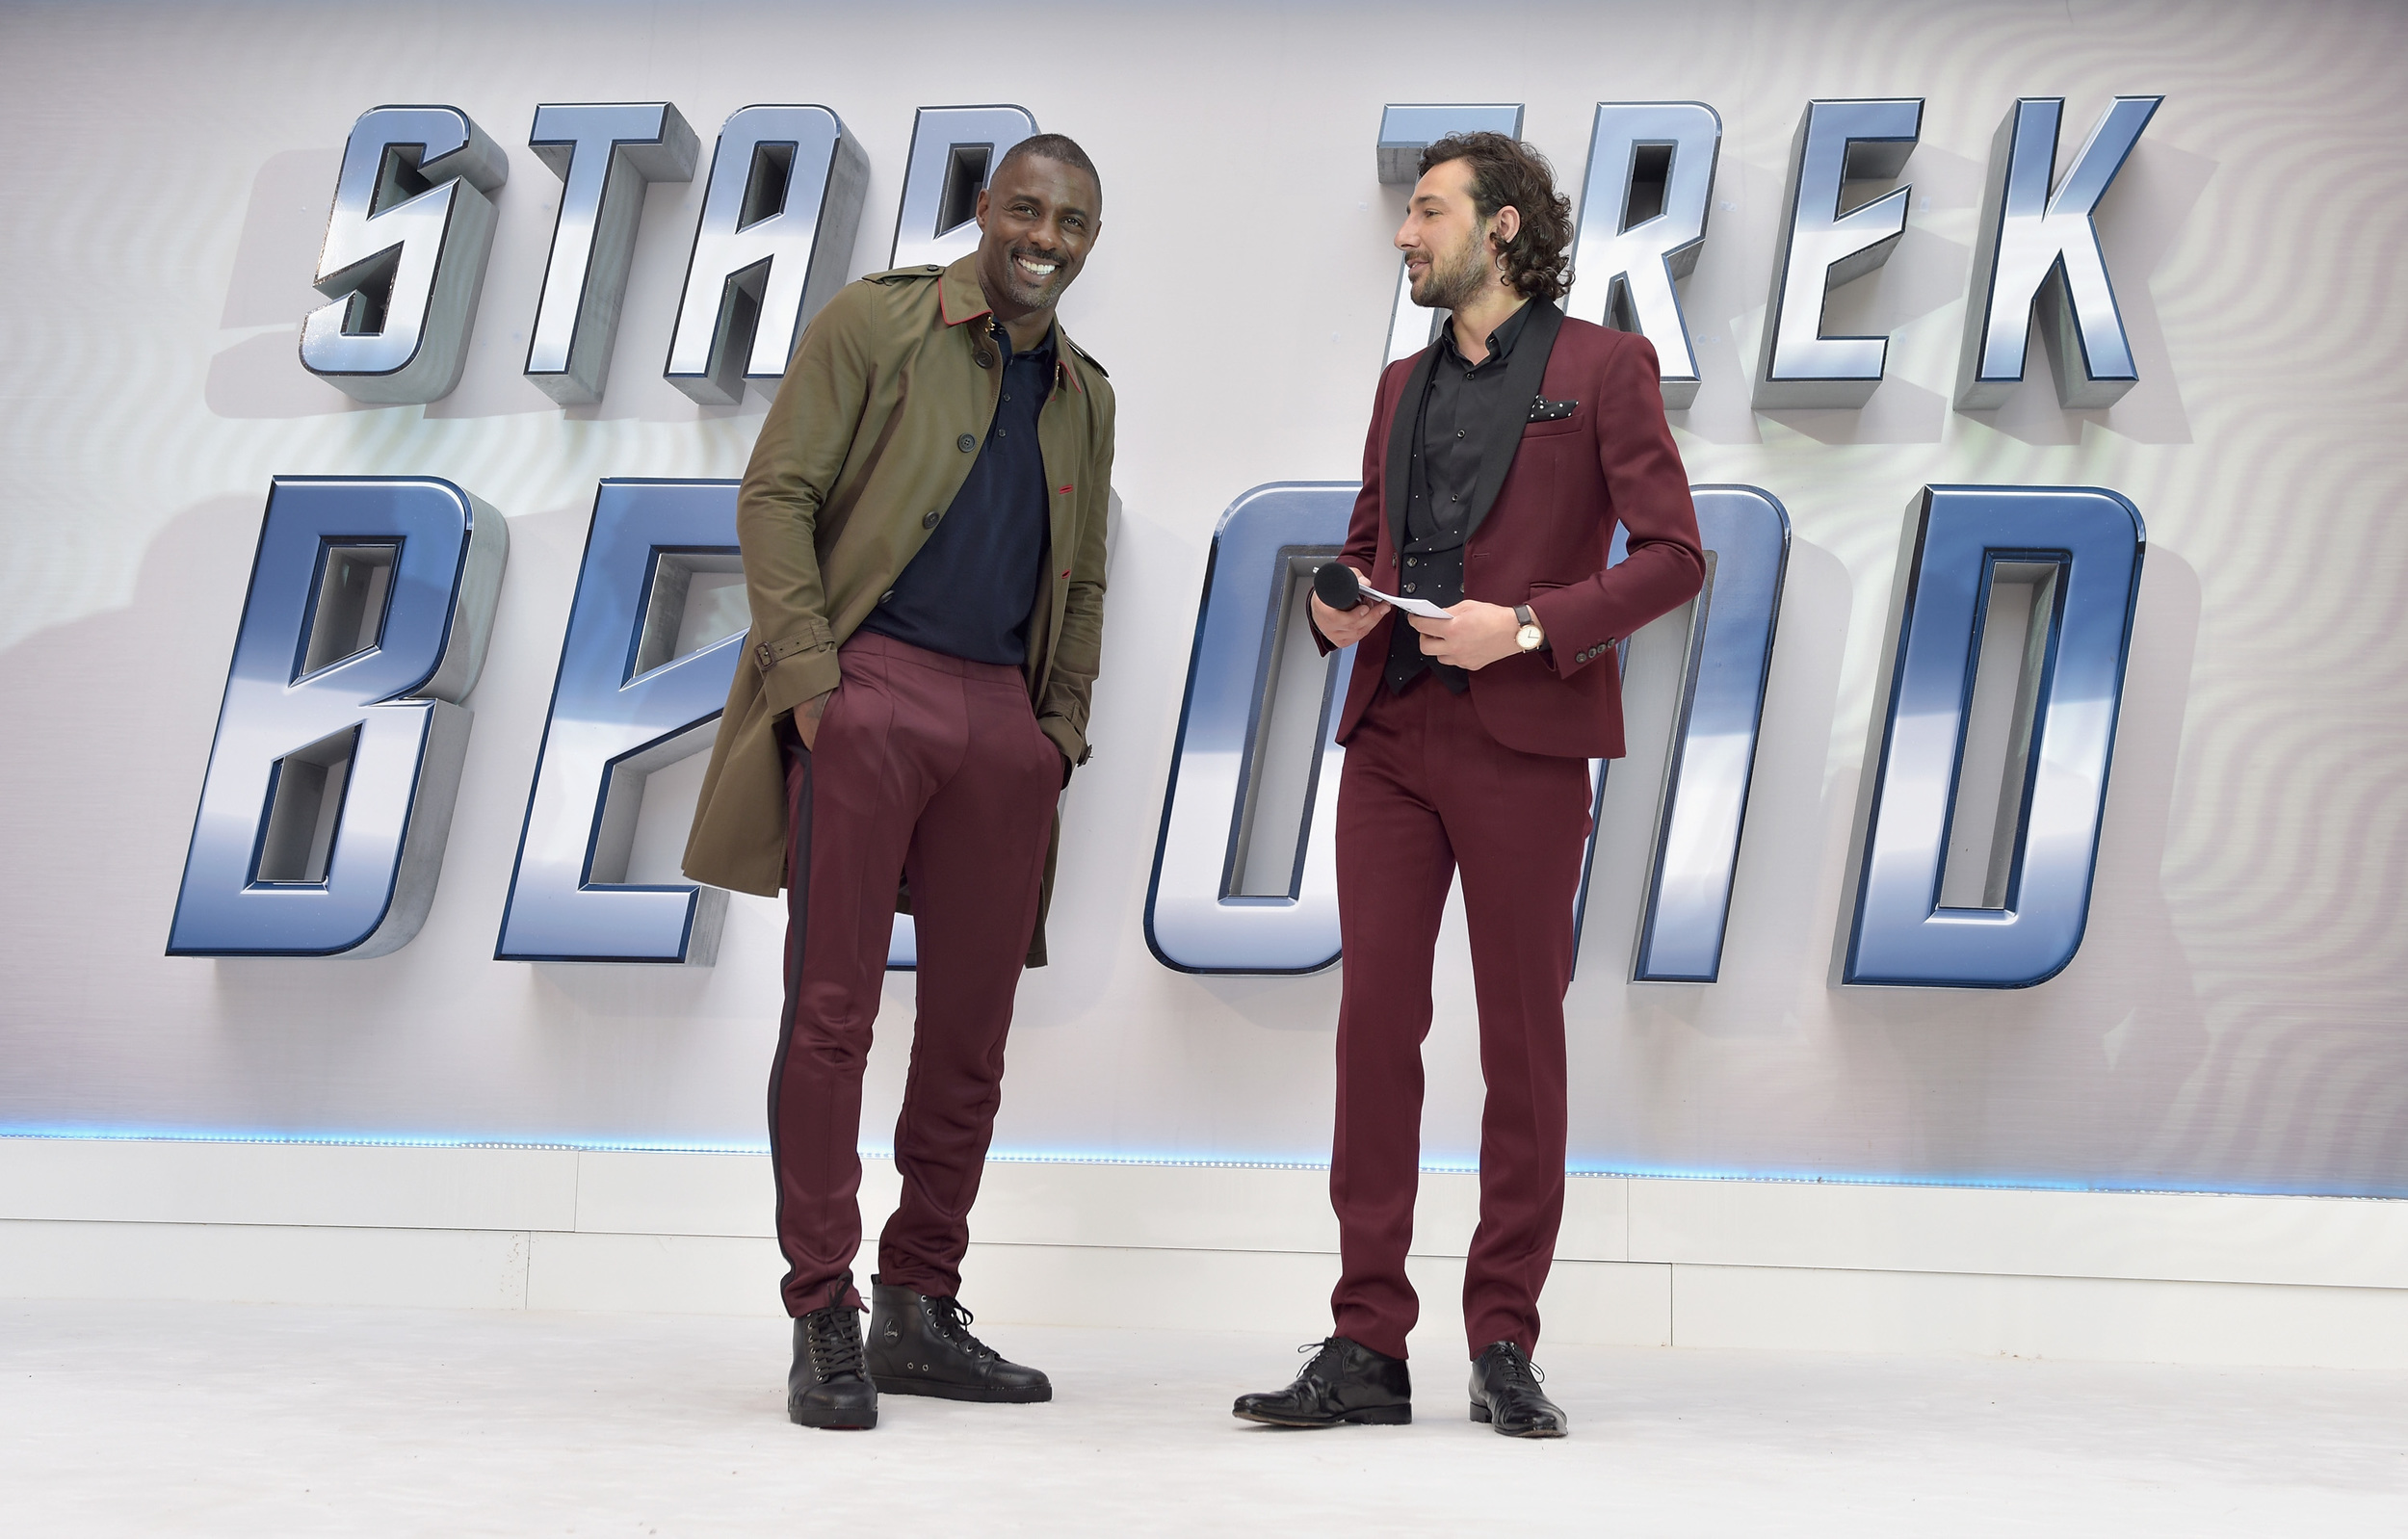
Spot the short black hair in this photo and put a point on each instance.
(1059, 147)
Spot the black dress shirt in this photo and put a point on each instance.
(971, 589)
(1446, 462)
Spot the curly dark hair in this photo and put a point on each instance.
(1506, 172)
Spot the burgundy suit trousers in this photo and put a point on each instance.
(934, 769)
(1428, 792)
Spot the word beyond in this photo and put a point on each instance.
(413, 219)
(329, 795)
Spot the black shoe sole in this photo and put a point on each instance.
(831, 1419)
(1480, 1413)
(982, 1394)
(1368, 1416)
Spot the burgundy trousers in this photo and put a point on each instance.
(1428, 792)
(934, 769)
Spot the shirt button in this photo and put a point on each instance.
(1002, 432)
(965, 443)
(1006, 395)
(887, 597)
(1458, 432)
(1411, 561)
(929, 520)
(1408, 587)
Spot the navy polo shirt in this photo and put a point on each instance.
(970, 590)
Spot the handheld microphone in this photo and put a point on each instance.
(1337, 585)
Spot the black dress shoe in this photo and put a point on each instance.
(1506, 1395)
(920, 1344)
(1346, 1381)
(827, 1387)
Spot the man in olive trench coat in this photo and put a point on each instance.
(923, 528)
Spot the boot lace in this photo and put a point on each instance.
(1321, 1350)
(950, 1322)
(834, 1336)
(1518, 1369)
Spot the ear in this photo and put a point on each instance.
(980, 216)
(1508, 225)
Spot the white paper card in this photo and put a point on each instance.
(1410, 606)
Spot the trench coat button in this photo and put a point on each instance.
(965, 443)
(985, 360)
(928, 520)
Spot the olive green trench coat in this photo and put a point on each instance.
(890, 393)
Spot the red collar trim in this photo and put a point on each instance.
(945, 309)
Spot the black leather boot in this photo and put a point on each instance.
(827, 1387)
(1506, 1395)
(919, 1343)
(1346, 1381)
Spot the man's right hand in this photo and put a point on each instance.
(1345, 627)
(808, 719)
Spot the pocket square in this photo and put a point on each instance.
(1543, 409)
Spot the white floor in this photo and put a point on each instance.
(219, 1418)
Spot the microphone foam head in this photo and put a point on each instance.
(1338, 584)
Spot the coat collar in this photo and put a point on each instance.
(962, 299)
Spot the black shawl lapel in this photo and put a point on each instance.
(1507, 408)
(1397, 489)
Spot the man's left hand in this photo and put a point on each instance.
(1472, 636)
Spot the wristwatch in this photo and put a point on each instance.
(1531, 636)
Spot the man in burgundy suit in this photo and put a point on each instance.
(1499, 460)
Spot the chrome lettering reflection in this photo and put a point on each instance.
(953, 151)
(337, 757)
(405, 255)
(770, 247)
(1651, 177)
(2039, 253)
(2081, 546)
(1822, 247)
(604, 153)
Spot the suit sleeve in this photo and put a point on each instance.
(1649, 489)
(1362, 547)
(804, 439)
(1078, 656)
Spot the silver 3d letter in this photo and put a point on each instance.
(338, 752)
(1977, 821)
(405, 255)
(1404, 132)
(604, 153)
(1651, 178)
(771, 245)
(953, 151)
(1822, 247)
(654, 636)
(1721, 695)
(2039, 251)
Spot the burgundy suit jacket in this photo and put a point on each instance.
(1553, 492)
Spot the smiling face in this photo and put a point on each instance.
(1036, 220)
(1444, 239)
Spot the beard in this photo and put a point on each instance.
(1454, 278)
(1035, 294)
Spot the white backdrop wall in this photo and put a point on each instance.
(2234, 1020)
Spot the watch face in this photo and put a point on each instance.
(1529, 636)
